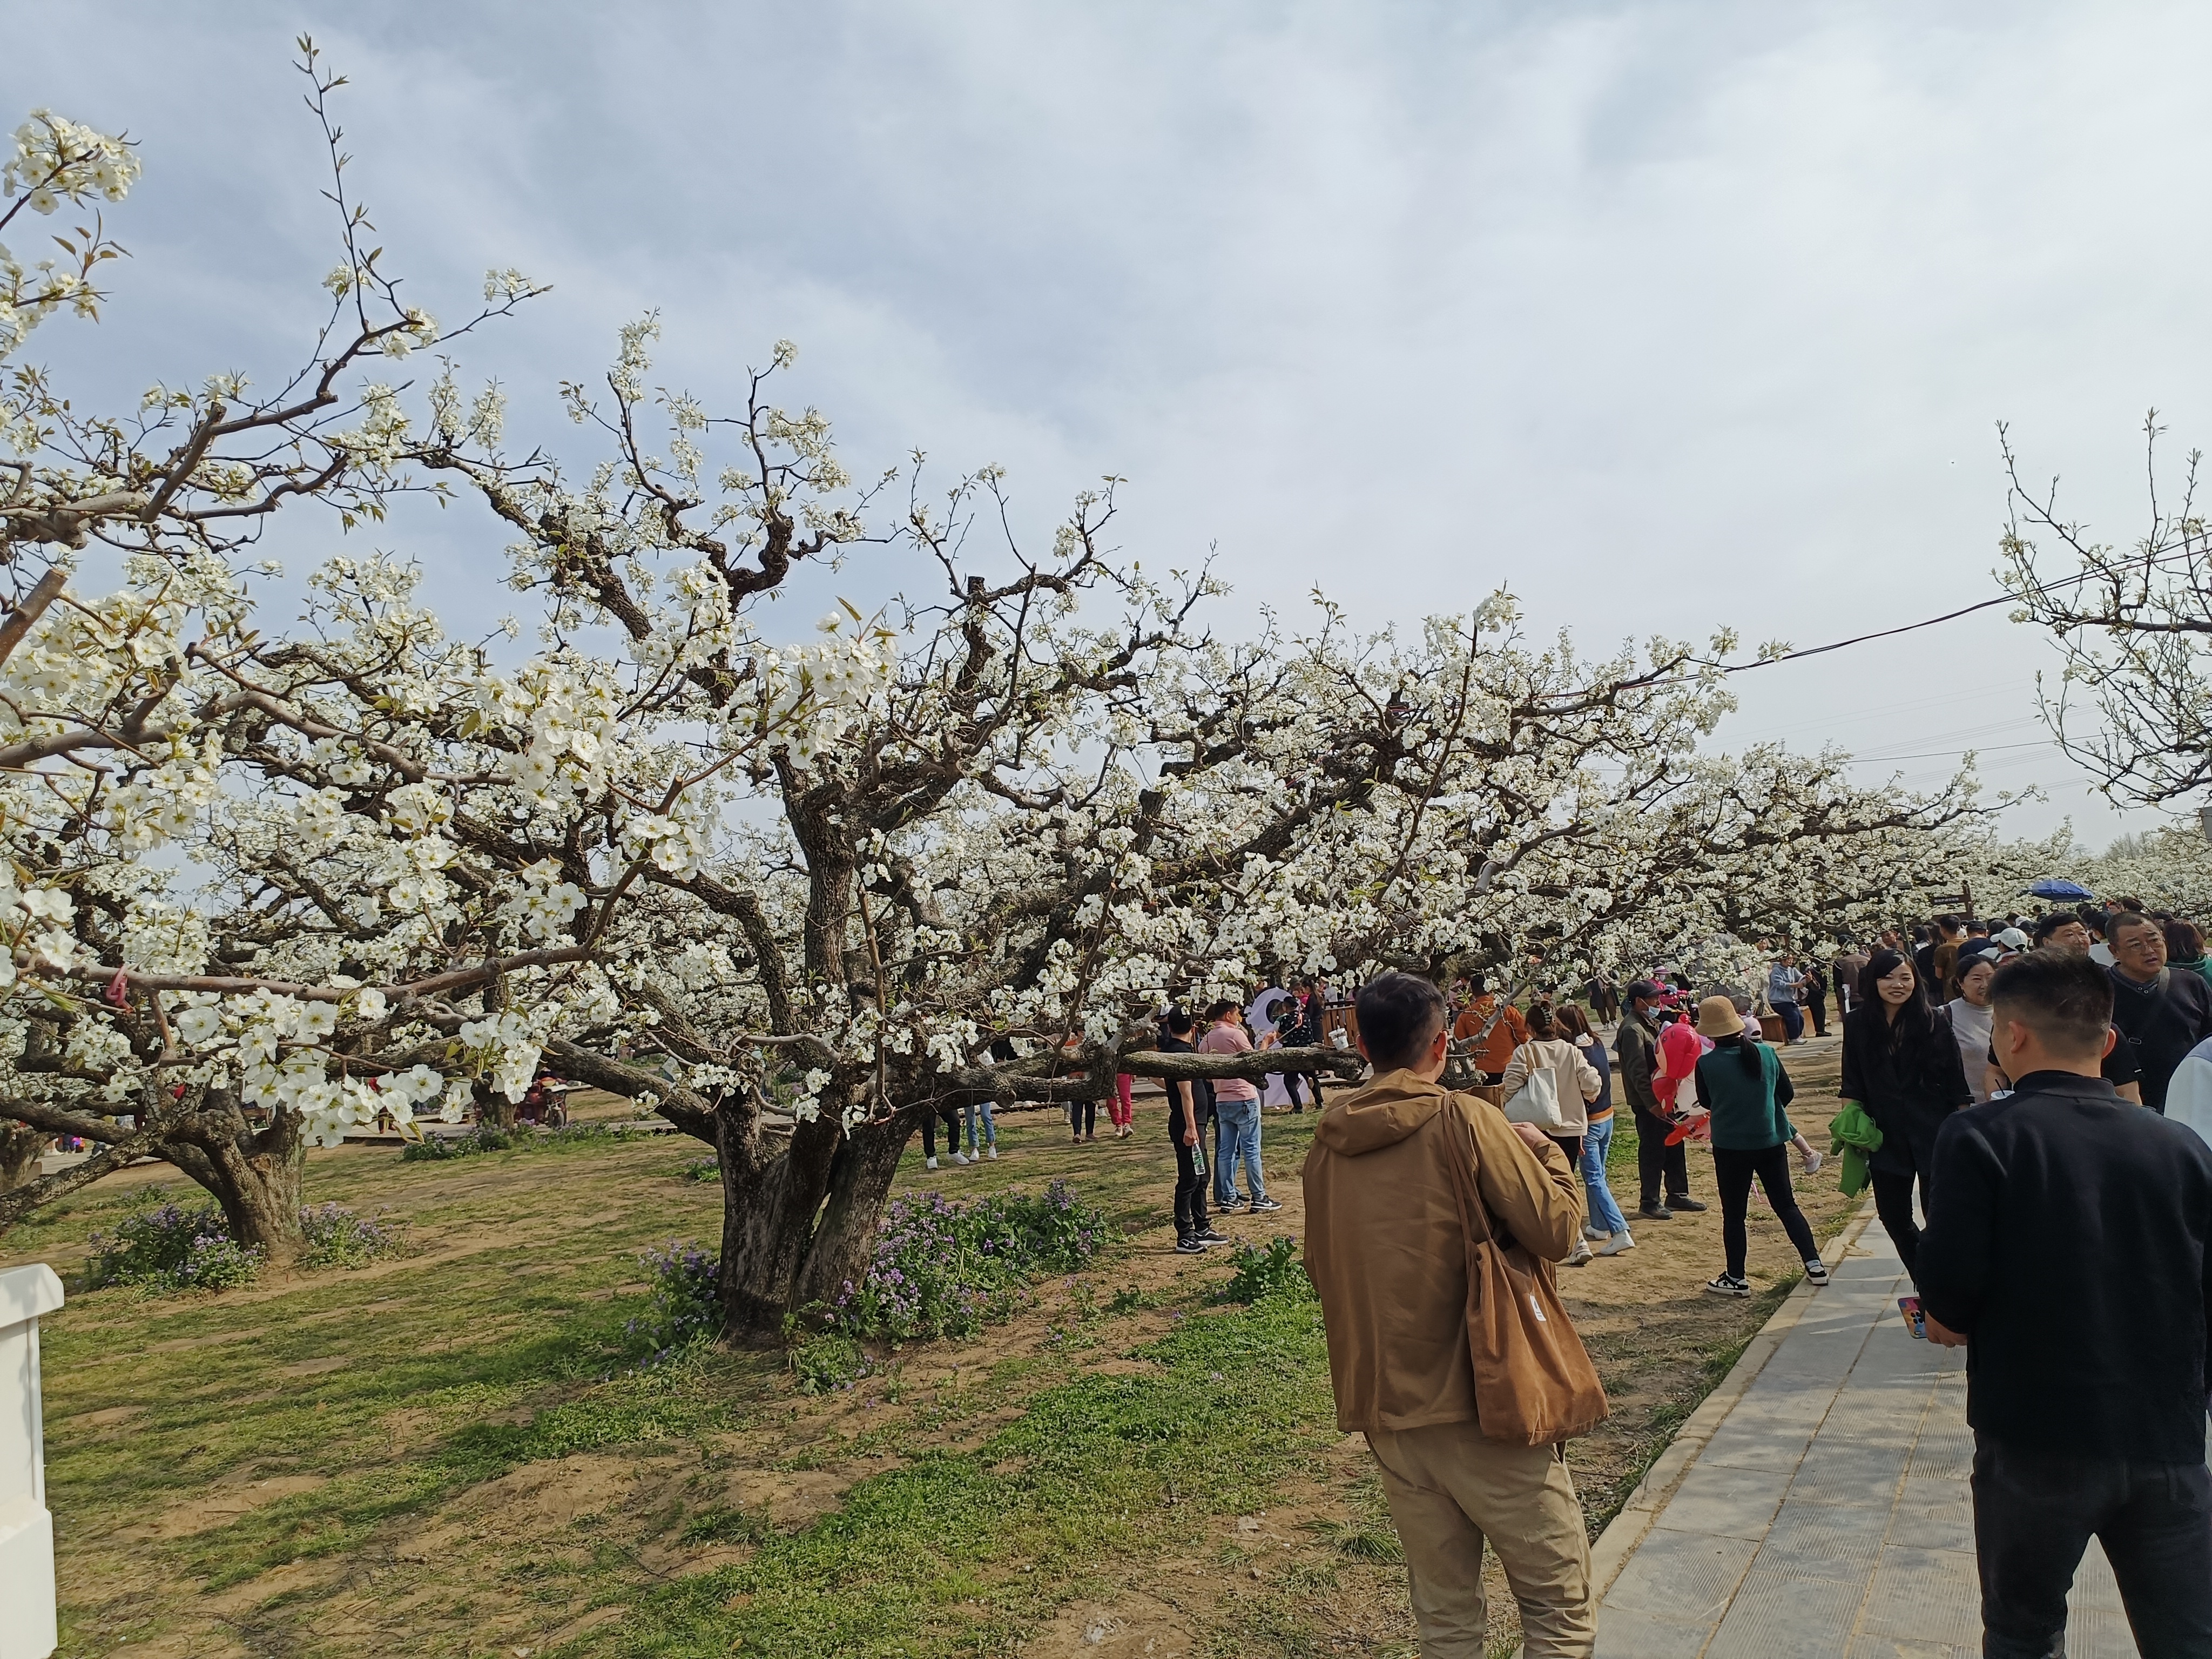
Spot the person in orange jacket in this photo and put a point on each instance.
(1495, 1029)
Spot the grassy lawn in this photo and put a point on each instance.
(456, 1453)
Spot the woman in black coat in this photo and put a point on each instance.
(1901, 1063)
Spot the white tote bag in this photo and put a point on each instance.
(1537, 1103)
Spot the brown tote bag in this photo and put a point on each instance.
(1533, 1382)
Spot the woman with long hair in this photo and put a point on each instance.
(1575, 1085)
(1972, 1017)
(1608, 1228)
(1901, 1063)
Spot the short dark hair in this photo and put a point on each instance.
(2043, 926)
(2065, 999)
(1179, 1020)
(1950, 924)
(1222, 1007)
(1400, 1015)
(2131, 919)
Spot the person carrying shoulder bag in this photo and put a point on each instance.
(1432, 1226)
(1549, 1083)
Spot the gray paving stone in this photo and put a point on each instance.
(1765, 1443)
(1823, 1540)
(2098, 1633)
(1824, 1356)
(2094, 1583)
(1683, 1575)
(1834, 1473)
(1945, 1448)
(1625, 1635)
(1777, 1615)
(1893, 1647)
(1933, 1514)
(1927, 1595)
(1729, 1503)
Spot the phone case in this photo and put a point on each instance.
(1915, 1320)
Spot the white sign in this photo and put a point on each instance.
(26, 1531)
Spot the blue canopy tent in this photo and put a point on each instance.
(2057, 887)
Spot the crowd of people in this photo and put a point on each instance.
(2031, 1103)
(2030, 1100)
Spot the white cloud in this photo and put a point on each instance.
(1671, 315)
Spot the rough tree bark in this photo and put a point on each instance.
(843, 1241)
(254, 1174)
(20, 1147)
(771, 1194)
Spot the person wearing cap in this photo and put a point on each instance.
(1493, 1027)
(1745, 1089)
(1655, 1161)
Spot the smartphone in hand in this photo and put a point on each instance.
(1915, 1320)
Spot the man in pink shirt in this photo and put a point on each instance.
(1237, 1111)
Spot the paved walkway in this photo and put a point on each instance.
(1817, 1504)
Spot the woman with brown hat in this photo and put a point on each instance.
(1745, 1089)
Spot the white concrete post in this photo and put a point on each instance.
(26, 1531)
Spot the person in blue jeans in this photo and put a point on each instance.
(1236, 1114)
(1608, 1228)
(990, 1142)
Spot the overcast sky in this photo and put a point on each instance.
(1667, 315)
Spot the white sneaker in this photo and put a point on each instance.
(1580, 1258)
(929, 1162)
(1618, 1242)
(960, 1158)
(1813, 1161)
(994, 1152)
(1595, 1233)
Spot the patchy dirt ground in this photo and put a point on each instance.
(446, 1455)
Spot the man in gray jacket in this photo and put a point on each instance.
(1634, 1048)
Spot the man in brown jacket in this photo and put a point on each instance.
(1387, 1253)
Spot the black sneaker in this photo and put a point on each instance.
(1727, 1284)
(1261, 1206)
(1655, 1213)
(1690, 1204)
(1191, 1246)
(1212, 1235)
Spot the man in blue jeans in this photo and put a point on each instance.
(2072, 1256)
(1237, 1112)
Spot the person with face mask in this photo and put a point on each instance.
(1901, 1065)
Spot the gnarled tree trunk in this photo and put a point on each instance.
(860, 1185)
(254, 1174)
(770, 1196)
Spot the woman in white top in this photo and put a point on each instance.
(1970, 1014)
(1574, 1080)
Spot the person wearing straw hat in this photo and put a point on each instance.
(1745, 1089)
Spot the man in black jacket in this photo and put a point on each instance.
(2072, 1255)
(1655, 1158)
(2160, 1015)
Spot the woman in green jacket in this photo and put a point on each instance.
(1744, 1089)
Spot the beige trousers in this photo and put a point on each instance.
(1449, 1489)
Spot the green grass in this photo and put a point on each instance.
(959, 1552)
(414, 1407)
